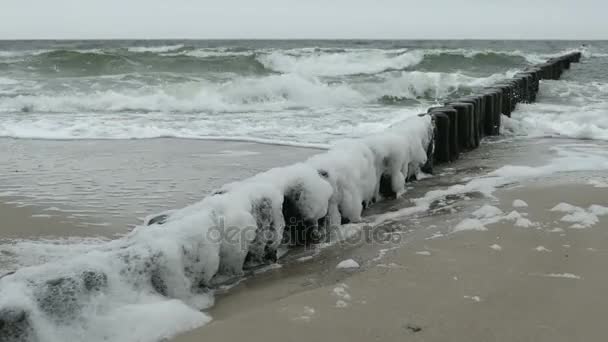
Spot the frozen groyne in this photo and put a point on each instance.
(176, 257)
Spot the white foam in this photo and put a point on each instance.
(212, 52)
(473, 298)
(568, 158)
(598, 210)
(342, 292)
(338, 64)
(542, 249)
(487, 211)
(565, 208)
(488, 214)
(496, 247)
(519, 203)
(305, 315)
(24, 253)
(272, 92)
(305, 258)
(566, 109)
(562, 275)
(579, 217)
(469, 224)
(8, 81)
(155, 49)
(598, 183)
(341, 304)
(349, 263)
(324, 62)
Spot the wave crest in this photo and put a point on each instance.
(272, 92)
(320, 62)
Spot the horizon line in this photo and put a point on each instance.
(302, 39)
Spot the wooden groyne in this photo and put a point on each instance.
(461, 124)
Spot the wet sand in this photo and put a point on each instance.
(119, 182)
(34, 222)
(455, 288)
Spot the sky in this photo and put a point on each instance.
(301, 19)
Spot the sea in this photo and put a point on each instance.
(302, 92)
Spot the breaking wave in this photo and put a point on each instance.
(569, 109)
(308, 61)
(251, 92)
(273, 92)
(286, 108)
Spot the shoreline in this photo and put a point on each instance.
(259, 141)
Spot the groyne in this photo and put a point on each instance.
(182, 253)
(462, 123)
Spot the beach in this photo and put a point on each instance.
(122, 159)
(432, 285)
(507, 283)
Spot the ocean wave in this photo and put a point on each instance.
(97, 62)
(340, 64)
(213, 52)
(267, 93)
(155, 49)
(7, 81)
(344, 62)
(565, 109)
(431, 86)
(20, 53)
(312, 61)
(305, 128)
(244, 94)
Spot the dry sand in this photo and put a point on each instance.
(458, 289)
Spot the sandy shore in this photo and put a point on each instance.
(495, 285)
(509, 283)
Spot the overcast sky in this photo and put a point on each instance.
(424, 19)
